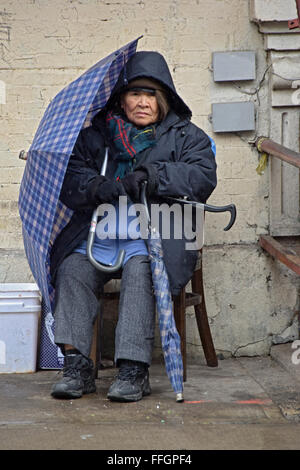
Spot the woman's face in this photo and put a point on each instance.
(140, 107)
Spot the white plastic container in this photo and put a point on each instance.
(20, 308)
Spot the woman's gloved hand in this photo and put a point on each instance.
(132, 184)
(106, 190)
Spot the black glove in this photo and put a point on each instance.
(132, 184)
(106, 190)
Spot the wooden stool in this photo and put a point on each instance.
(185, 299)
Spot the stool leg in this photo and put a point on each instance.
(95, 349)
(179, 315)
(202, 321)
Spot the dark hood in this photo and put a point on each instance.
(151, 65)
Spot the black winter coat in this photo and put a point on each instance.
(181, 163)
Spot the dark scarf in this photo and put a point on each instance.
(129, 141)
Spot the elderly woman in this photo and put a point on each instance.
(147, 128)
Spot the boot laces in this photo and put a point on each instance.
(131, 371)
(72, 368)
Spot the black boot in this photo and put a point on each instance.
(78, 377)
(132, 382)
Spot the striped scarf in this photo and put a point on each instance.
(129, 141)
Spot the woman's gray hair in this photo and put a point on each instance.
(163, 104)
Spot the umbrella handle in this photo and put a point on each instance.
(104, 164)
(101, 267)
(144, 199)
(230, 208)
(209, 208)
(91, 237)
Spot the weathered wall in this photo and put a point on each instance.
(45, 45)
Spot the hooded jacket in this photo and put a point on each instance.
(181, 164)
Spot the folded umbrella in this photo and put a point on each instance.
(170, 339)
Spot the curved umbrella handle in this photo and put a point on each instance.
(230, 208)
(102, 267)
(90, 241)
(207, 207)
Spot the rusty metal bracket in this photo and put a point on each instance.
(292, 24)
(23, 155)
(263, 144)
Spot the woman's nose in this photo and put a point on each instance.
(143, 101)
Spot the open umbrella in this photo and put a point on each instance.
(43, 215)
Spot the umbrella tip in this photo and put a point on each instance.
(179, 397)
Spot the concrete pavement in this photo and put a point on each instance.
(243, 404)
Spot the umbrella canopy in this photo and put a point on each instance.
(43, 216)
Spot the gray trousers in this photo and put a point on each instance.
(77, 288)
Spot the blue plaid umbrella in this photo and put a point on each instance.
(170, 339)
(43, 215)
